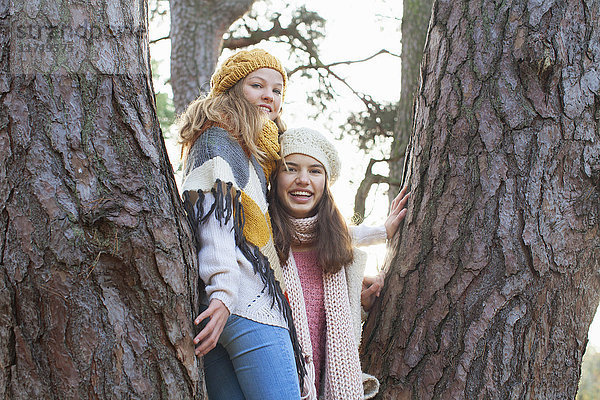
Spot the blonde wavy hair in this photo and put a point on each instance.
(243, 120)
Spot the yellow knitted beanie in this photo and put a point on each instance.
(241, 64)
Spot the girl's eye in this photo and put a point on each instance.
(316, 171)
(255, 85)
(278, 91)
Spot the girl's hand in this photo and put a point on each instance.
(209, 336)
(397, 213)
(371, 289)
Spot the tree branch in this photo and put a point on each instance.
(297, 40)
(370, 104)
(369, 180)
(153, 41)
(257, 36)
(348, 62)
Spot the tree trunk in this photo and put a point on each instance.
(415, 19)
(197, 28)
(493, 286)
(98, 283)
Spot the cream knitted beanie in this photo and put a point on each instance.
(312, 143)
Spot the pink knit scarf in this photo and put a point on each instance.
(342, 377)
(305, 229)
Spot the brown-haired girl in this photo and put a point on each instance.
(322, 271)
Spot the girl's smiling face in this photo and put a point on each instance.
(264, 89)
(300, 185)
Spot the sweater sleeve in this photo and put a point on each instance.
(363, 235)
(217, 259)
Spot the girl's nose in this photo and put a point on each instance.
(302, 177)
(267, 96)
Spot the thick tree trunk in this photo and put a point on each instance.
(197, 28)
(97, 273)
(493, 286)
(415, 19)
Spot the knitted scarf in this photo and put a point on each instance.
(216, 163)
(305, 230)
(342, 377)
(268, 142)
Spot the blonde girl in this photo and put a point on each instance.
(230, 146)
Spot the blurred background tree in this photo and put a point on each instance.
(589, 383)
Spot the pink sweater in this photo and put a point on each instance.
(311, 280)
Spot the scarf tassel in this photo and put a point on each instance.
(224, 208)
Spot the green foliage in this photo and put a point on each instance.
(589, 383)
(165, 109)
(366, 126)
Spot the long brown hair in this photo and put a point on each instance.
(231, 110)
(333, 244)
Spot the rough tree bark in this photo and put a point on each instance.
(493, 286)
(197, 28)
(415, 19)
(97, 274)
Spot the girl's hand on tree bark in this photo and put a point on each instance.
(371, 289)
(397, 213)
(209, 336)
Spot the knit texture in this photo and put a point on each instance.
(297, 294)
(217, 164)
(229, 276)
(342, 378)
(342, 375)
(312, 143)
(268, 142)
(311, 280)
(305, 230)
(217, 157)
(241, 64)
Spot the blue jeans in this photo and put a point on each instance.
(252, 361)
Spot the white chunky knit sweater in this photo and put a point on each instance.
(230, 277)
